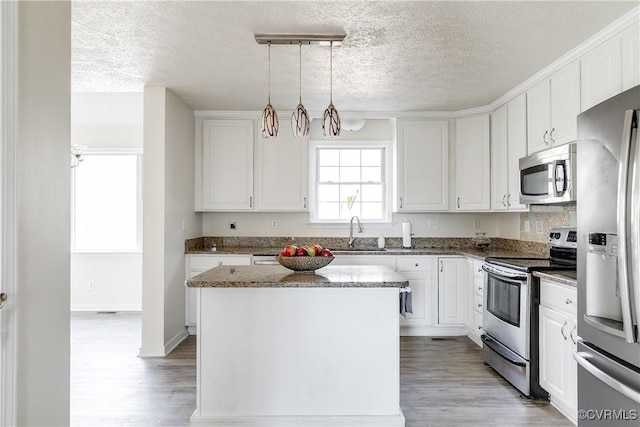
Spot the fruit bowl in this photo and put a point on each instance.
(304, 263)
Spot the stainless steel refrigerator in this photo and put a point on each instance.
(608, 209)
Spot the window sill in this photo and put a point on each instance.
(105, 253)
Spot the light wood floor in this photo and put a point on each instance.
(443, 382)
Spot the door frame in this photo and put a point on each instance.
(8, 217)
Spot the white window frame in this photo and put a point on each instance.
(110, 151)
(387, 165)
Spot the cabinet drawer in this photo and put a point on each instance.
(477, 269)
(205, 262)
(478, 285)
(478, 304)
(477, 323)
(411, 263)
(384, 260)
(560, 297)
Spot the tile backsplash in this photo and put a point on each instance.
(542, 218)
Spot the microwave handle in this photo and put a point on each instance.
(559, 177)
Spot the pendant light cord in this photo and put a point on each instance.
(300, 81)
(269, 84)
(331, 73)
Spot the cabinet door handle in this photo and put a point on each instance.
(504, 200)
(250, 202)
(219, 262)
(479, 305)
(441, 266)
(400, 202)
(562, 330)
(553, 141)
(417, 264)
(304, 202)
(508, 200)
(571, 334)
(479, 327)
(568, 301)
(458, 202)
(544, 137)
(479, 288)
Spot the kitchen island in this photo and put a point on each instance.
(279, 348)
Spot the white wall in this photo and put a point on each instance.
(43, 173)
(181, 222)
(168, 202)
(116, 280)
(106, 120)
(297, 224)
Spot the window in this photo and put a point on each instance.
(350, 180)
(106, 207)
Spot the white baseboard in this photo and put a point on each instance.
(432, 331)
(106, 307)
(162, 351)
(175, 341)
(302, 421)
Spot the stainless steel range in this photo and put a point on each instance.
(511, 299)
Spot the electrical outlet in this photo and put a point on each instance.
(476, 224)
(92, 285)
(539, 227)
(233, 224)
(432, 224)
(527, 226)
(274, 223)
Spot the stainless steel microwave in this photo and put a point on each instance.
(549, 176)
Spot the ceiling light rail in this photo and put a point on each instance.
(294, 39)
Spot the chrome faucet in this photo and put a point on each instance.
(351, 238)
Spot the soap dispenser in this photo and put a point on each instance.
(381, 242)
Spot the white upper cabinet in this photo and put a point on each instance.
(473, 163)
(601, 74)
(508, 145)
(517, 137)
(224, 165)
(499, 159)
(631, 57)
(423, 165)
(552, 108)
(282, 172)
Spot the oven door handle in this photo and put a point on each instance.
(501, 351)
(514, 278)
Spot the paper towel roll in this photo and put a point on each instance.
(406, 234)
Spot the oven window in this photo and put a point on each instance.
(503, 299)
(535, 181)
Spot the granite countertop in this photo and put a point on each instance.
(565, 277)
(276, 276)
(470, 252)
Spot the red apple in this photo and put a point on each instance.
(283, 253)
(318, 249)
(290, 250)
(326, 252)
(301, 252)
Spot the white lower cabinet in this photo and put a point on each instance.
(558, 337)
(420, 272)
(196, 264)
(474, 293)
(452, 275)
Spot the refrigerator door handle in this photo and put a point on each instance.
(630, 121)
(582, 359)
(634, 237)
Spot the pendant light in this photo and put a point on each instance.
(331, 119)
(300, 118)
(269, 114)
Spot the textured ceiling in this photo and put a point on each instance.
(397, 56)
